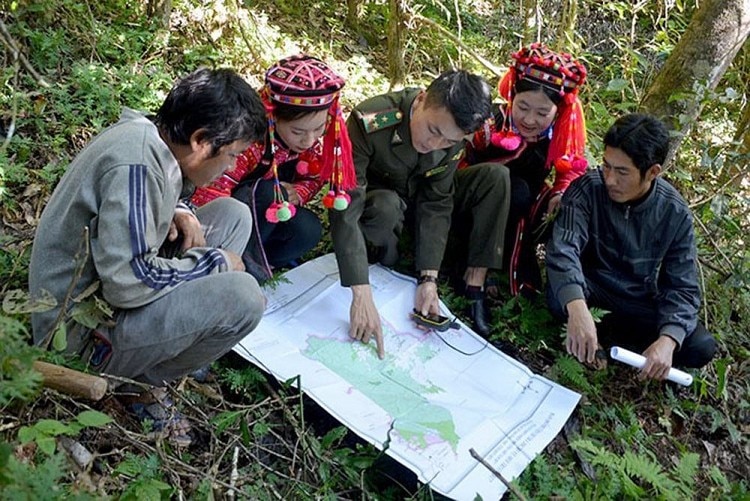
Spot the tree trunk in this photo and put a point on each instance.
(742, 133)
(715, 34)
(161, 9)
(397, 42)
(353, 11)
(566, 33)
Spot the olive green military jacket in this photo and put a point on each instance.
(384, 158)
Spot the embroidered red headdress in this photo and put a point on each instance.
(561, 73)
(309, 84)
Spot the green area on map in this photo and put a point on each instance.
(390, 384)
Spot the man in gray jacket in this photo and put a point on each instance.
(624, 242)
(116, 209)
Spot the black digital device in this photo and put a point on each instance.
(437, 322)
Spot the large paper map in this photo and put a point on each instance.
(433, 397)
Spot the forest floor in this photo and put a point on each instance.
(254, 437)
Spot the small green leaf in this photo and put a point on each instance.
(147, 491)
(224, 420)
(86, 314)
(17, 301)
(333, 437)
(617, 85)
(26, 434)
(722, 368)
(261, 428)
(245, 431)
(127, 468)
(60, 338)
(93, 418)
(46, 444)
(52, 427)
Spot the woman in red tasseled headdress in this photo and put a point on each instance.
(539, 129)
(307, 146)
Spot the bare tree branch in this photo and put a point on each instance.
(8, 41)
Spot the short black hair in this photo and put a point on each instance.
(528, 85)
(644, 138)
(218, 101)
(464, 95)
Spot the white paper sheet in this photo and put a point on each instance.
(441, 397)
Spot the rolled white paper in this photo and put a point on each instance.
(638, 361)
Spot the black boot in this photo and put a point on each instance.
(478, 311)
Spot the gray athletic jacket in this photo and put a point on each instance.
(644, 252)
(124, 187)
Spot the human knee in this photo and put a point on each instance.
(309, 229)
(226, 210)
(240, 296)
(235, 210)
(698, 349)
(492, 175)
(385, 209)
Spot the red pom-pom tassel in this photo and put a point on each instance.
(302, 168)
(280, 212)
(271, 216)
(506, 140)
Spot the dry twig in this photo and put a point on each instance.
(12, 46)
(498, 72)
(81, 257)
(499, 475)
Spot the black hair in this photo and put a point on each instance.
(465, 96)
(218, 101)
(643, 138)
(526, 85)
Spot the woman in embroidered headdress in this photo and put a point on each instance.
(307, 146)
(540, 129)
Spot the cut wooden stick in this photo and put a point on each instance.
(71, 382)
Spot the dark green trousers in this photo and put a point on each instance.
(480, 212)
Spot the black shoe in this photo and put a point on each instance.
(479, 314)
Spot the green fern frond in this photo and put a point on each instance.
(640, 466)
(18, 380)
(598, 313)
(686, 471)
(567, 370)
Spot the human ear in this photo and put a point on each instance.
(653, 172)
(199, 143)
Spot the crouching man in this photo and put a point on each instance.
(624, 242)
(114, 213)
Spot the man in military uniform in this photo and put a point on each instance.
(406, 146)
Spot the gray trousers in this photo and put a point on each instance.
(195, 323)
